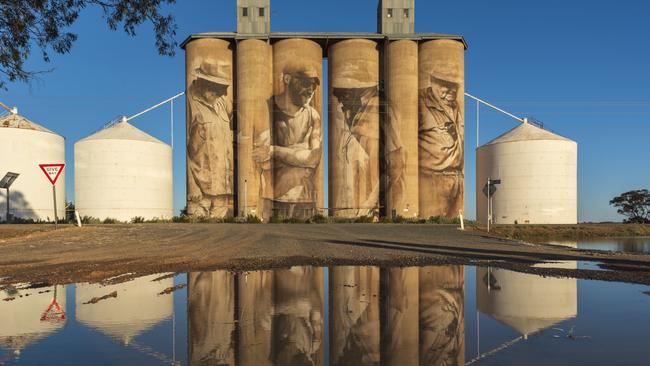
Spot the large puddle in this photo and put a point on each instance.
(640, 244)
(438, 315)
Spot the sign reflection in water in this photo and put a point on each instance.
(389, 316)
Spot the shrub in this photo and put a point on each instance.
(137, 220)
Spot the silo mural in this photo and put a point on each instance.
(400, 129)
(297, 136)
(298, 328)
(400, 339)
(441, 128)
(442, 335)
(209, 92)
(354, 128)
(255, 318)
(354, 315)
(254, 118)
(211, 318)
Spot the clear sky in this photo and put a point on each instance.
(581, 67)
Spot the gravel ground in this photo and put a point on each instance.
(93, 253)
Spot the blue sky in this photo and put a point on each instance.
(579, 66)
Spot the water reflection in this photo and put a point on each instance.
(388, 316)
(135, 308)
(28, 314)
(639, 244)
(346, 315)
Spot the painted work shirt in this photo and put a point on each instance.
(440, 135)
(294, 180)
(358, 155)
(210, 146)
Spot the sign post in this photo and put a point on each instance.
(52, 172)
(489, 189)
(5, 183)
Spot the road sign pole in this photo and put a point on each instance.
(56, 218)
(7, 221)
(488, 205)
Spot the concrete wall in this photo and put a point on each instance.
(297, 135)
(354, 128)
(400, 129)
(210, 159)
(441, 128)
(396, 16)
(254, 122)
(21, 151)
(253, 22)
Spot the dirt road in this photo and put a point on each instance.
(91, 253)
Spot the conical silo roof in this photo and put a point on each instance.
(527, 132)
(122, 131)
(137, 307)
(18, 121)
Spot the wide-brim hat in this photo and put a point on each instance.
(302, 71)
(214, 71)
(447, 71)
(356, 75)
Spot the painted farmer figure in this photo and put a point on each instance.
(297, 144)
(440, 134)
(357, 132)
(210, 136)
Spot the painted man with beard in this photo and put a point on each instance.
(441, 157)
(356, 130)
(209, 142)
(297, 147)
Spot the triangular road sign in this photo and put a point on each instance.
(52, 171)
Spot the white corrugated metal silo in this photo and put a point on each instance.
(122, 172)
(538, 173)
(23, 146)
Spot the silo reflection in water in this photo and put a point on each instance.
(391, 316)
(354, 315)
(211, 313)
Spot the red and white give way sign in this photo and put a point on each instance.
(52, 171)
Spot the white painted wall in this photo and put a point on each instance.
(21, 150)
(123, 177)
(538, 181)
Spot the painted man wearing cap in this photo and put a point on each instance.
(296, 151)
(209, 148)
(441, 144)
(356, 128)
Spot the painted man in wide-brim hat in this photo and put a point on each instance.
(297, 143)
(356, 130)
(209, 141)
(441, 143)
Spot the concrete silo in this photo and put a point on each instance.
(538, 173)
(121, 172)
(23, 146)
(354, 128)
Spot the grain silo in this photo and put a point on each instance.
(23, 146)
(538, 174)
(121, 173)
